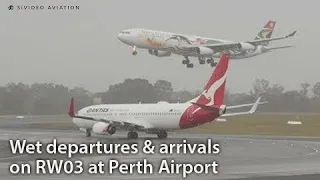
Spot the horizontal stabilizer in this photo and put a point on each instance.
(209, 108)
(245, 105)
(279, 47)
(251, 111)
(292, 34)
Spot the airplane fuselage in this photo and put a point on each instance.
(169, 42)
(165, 116)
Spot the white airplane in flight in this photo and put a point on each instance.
(159, 118)
(163, 44)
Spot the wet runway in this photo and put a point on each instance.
(241, 156)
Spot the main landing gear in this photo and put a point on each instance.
(88, 132)
(162, 134)
(187, 62)
(211, 62)
(132, 135)
(134, 51)
(201, 61)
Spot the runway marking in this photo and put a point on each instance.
(11, 157)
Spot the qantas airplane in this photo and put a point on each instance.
(159, 118)
(163, 44)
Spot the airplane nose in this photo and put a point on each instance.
(119, 36)
(124, 38)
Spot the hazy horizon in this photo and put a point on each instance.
(80, 47)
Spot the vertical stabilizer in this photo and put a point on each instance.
(266, 31)
(213, 93)
(71, 108)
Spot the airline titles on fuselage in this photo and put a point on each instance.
(97, 110)
(127, 112)
(156, 33)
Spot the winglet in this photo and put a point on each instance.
(71, 108)
(255, 105)
(292, 34)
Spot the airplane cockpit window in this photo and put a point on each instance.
(125, 32)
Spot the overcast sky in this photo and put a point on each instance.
(80, 47)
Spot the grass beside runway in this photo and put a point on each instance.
(269, 124)
(258, 124)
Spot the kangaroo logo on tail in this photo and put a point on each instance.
(215, 88)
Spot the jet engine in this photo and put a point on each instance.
(204, 51)
(161, 53)
(102, 128)
(245, 46)
(222, 109)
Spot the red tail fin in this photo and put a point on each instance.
(71, 108)
(270, 25)
(214, 90)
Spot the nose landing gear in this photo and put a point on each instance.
(134, 51)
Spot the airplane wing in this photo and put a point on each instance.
(257, 42)
(251, 111)
(234, 45)
(280, 47)
(137, 123)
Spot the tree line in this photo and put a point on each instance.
(51, 99)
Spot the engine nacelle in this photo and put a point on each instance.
(102, 128)
(222, 109)
(245, 46)
(161, 53)
(204, 51)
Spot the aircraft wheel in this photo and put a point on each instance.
(88, 133)
(184, 62)
(112, 130)
(213, 64)
(162, 134)
(135, 135)
(134, 53)
(189, 65)
(210, 60)
(202, 61)
(132, 135)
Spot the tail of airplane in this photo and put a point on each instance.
(213, 93)
(71, 108)
(266, 32)
(212, 98)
